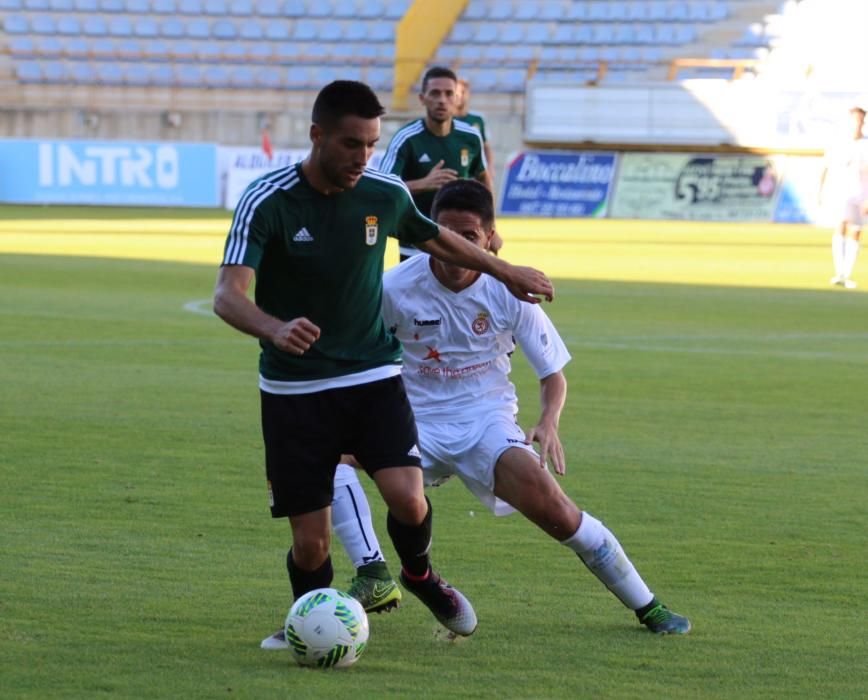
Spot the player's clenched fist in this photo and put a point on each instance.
(296, 336)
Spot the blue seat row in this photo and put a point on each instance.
(484, 33)
(340, 53)
(174, 28)
(522, 56)
(598, 11)
(332, 9)
(191, 75)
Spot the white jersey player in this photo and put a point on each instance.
(458, 329)
(844, 193)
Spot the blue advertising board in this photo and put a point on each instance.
(541, 183)
(109, 173)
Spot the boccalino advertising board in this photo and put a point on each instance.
(558, 184)
(109, 173)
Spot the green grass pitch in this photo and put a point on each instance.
(716, 422)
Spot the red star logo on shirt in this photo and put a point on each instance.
(432, 354)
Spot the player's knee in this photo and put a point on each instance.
(410, 510)
(310, 549)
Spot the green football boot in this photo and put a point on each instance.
(661, 620)
(375, 588)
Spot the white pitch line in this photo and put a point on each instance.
(201, 307)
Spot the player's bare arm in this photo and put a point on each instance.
(525, 283)
(232, 304)
(553, 395)
(434, 180)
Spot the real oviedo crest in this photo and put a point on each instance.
(371, 230)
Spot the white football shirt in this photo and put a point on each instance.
(457, 345)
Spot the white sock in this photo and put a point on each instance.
(351, 518)
(603, 555)
(851, 251)
(838, 253)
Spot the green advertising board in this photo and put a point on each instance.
(695, 186)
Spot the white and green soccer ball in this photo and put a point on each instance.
(326, 628)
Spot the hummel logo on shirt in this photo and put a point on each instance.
(424, 158)
(303, 236)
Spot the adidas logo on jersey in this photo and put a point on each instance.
(414, 452)
(303, 236)
(424, 158)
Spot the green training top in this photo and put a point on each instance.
(414, 151)
(321, 257)
(476, 120)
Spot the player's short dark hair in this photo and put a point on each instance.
(345, 98)
(465, 195)
(437, 72)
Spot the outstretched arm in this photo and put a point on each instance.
(232, 304)
(523, 282)
(553, 394)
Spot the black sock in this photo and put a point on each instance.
(412, 542)
(303, 581)
(645, 609)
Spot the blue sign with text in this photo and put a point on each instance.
(558, 184)
(109, 173)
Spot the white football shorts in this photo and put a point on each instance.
(470, 452)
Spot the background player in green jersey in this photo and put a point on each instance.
(475, 119)
(435, 149)
(313, 235)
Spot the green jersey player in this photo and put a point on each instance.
(313, 237)
(435, 149)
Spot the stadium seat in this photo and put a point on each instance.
(583, 34)
(344, 9)
(537, 33)
(43, 24)
(512, 33)
(190, 7)
(268, 77)
(37, 5)
(137, 7)
(625, 34)
(223, 29)
(209, 52)
(382, 31)
(109, 74)
(637, 10)
(172, 28)
(679, 11)
(526, 10)
(499, 11)
(22, 46)
(269, 8)
(215, 76)
(120, 26)
(356, 31)
(250, 30)
(396, 9)
(128, 49)
(294, 8)
(461, 33)
(372, 9)
(276, 31)
(261, 52)
(331, 31)
(599, 11)
(475, 10)
(164, 7)
(603, 34)
(198, 29)
(112, 5)
(28, 72)
(146, 27)
(305, 30)
(657, 11)
(86, 5)
(241, 8)
(136, 74)
(187, 75)
(182, 51)
(95, 26)
(162, 75)
(16, 24)
(103, 48)
(81, 73)
(61, 5)
(217, 8)
(241, 77)
(287, 52)
(155, 49)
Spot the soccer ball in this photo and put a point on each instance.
(326, 628)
